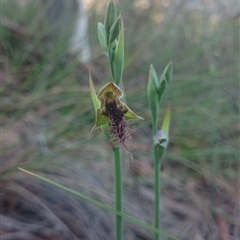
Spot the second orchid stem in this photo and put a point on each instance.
(157, 185)
(118, 192)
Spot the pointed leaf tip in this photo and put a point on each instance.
(166, 121)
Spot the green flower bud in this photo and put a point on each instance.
(110, 18)
(152, 93)
(102, 36)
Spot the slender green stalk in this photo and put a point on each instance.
(118, 192)
(157, 185)
(118, 176)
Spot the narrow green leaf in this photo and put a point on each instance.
(102, 36)
(118, 62)
(101, 205)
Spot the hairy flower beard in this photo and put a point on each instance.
(120, 132)
(121, 135)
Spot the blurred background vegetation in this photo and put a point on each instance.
(46, 108)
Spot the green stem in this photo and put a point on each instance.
(157, 185)
(118, 169)
(118, 192)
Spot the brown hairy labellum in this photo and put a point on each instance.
(120, 132)
(115, 113)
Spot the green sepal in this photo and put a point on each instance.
(118, 62)
(112, 88)
(100, 118)
(102, 36)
